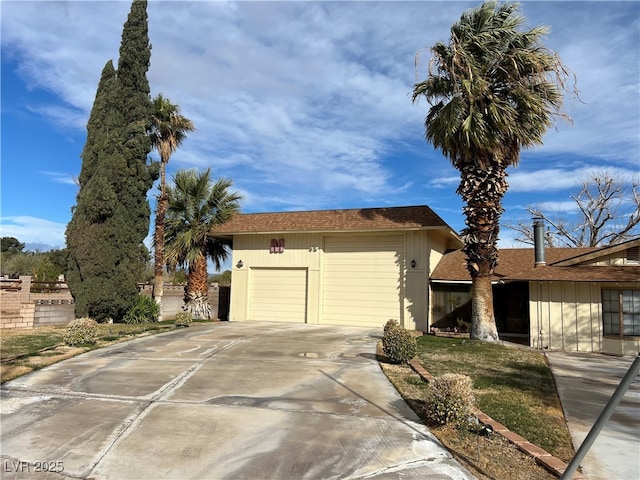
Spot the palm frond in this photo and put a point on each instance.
(168, 127)
(493, 84)
(196, 205)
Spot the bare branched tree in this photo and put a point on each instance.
(607, 212)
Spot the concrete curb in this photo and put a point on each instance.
(541, 456)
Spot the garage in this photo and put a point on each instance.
(278, 295)
(351, 267)
(362, 280)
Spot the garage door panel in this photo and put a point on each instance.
(362, 283)
(355, 282)
(363, 272)
(278, 295)
(363, 291)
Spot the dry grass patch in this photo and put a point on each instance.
(26, 349)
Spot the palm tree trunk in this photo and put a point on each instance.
(482, 188)
(158, 282)
(197, 290)
(483, 323)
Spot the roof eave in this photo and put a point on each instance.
(608, 250)
(444, 228)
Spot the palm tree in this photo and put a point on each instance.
(168, 130)
(493, 89)
(196, 204)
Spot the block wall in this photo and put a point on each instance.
(20, 308)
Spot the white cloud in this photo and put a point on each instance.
(559, 206)
(555, 179)
(294, 90)
(59, 46)
(599, 44)
(508, 239)
(444, 182)
(59, 177)
(304, 104)
(61, 116)
(32, 230)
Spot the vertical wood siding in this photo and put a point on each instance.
(570, 315)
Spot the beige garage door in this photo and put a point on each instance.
(361, 285)
(278, 295)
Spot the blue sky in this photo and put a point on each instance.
(304, 105)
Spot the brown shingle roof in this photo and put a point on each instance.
(518, 264)
(363, 219)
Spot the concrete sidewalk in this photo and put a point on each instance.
(223, 401)
(585, 383)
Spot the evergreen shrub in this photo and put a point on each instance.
(399, 345)
(450, 400)
(144, 310)
(81, 331)
(183, 319)
(110, 221)
(391, 323)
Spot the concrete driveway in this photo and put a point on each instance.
(586, 382)
(222, 401)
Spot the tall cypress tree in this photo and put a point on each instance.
(111, 218)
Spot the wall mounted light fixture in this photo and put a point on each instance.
(240, 264)
(413, 264)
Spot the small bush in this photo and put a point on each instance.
(183, 319)
(391, 323)
(450, 400)
(144, 310)
(81, 331)
(399, 345)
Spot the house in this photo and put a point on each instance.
(362, 267)
(574, 299)
(357, 267)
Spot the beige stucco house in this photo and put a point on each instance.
(357, 267)
(573, 299)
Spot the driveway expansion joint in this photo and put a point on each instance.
(163, 391)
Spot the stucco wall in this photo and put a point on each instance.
(568, 316)
(173, 300)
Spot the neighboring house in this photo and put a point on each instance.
(359, 267)
(574, 299)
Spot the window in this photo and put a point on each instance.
(621, 312)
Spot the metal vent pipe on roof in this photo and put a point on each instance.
(538, 241)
